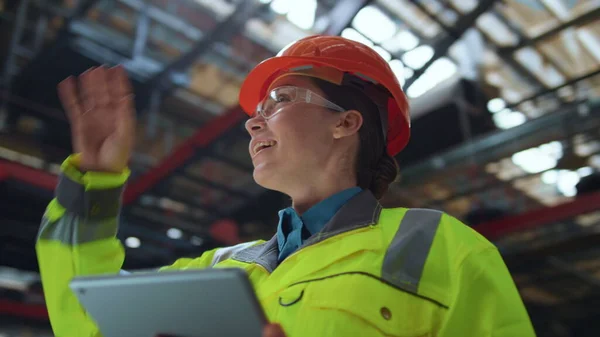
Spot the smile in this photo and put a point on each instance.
(259, 146)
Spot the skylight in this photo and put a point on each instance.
(281, 6)
(398, 69)
(404, 40)
(417, 57)
(507, 119)
(303, 14)
(439, 71)
(539, 159)
(374, 24)
(496, 105)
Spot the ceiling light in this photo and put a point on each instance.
(196, 241)
(398, 69)
(595, 161)
(174, 233)
(417, 57)
(496, 105)
(534, 160)
(440, 70)
(374, 24)
(567, 182)
(403, 41)
(132, 242)
(303, 14)
(550, 177)
(585, 171)
(507, 119)
(281, 6)
(383, 53)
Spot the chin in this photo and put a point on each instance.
(266, 177)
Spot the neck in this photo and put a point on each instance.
(319, 190)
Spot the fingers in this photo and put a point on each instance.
(273, 330)
(121, 93)
(67, 93)
(119, 83)
(86, 90)
(100, 86)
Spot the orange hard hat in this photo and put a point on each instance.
(347, 56)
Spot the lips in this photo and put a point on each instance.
(260, 145)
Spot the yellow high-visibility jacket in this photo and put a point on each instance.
(370, 272)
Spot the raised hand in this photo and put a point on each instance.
(100, 107)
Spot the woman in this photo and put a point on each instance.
(327, 115)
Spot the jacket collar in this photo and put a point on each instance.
(360, 211)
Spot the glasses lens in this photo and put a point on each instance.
(277, 99)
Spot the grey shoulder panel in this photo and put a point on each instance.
(406, 255)
(227, 252)
(265, 254)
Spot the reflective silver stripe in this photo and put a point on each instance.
(406, 256)
(73, 230)
(225, 253)
(300, 68)
(264, 254)
(101, 203)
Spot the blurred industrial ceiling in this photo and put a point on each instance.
(506, 123)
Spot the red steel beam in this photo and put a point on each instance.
(539, 217)
(205, 135)
(25, 310)
(492, 230)
(38, 178)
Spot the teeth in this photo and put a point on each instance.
(263, 144)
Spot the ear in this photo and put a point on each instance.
(349, 123)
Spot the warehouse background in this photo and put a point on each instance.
(505, 98)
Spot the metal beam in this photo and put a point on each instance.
(579, 21)
(63, 37)
(222, 32)
(167, 19)
(487, 147)
(341, 15)
(521, 70)
(141, 32)
(441, 48)
(523, 39)
(64, 33)
(20, 21)
(555, 89)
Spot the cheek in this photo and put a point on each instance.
(304, 137)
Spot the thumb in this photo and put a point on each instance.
(273, 330)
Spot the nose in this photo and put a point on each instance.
(255, 124)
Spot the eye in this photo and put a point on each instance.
(282, 97)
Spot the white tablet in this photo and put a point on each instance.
(191, 303)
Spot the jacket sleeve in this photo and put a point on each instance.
(486, 303)
(77, 237)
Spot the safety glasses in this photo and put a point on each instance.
(282, 97)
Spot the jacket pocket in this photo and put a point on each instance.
(356, 304)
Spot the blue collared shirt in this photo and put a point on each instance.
(294, 229)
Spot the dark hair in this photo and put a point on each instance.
(375, 169)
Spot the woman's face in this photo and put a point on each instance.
(302, 138)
